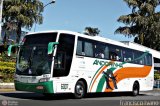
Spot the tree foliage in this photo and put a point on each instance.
(143, 23)
(19, 14)
(92, 31)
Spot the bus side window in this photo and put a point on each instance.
(115, 53)
(148, 60)
(99, 50)
(138, 58)
(85, 47)
(106, 52)
(142, 61)
(60, 60)
(79, 48)
(136, 61)
(127, 55)
(88, 49)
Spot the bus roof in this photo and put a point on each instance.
(134, 45)
(97, 38)
(126, 44)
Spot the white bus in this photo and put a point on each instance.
(69, 62)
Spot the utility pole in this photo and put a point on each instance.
(1, 7)
(52, 2)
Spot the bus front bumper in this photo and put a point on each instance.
(41, 87)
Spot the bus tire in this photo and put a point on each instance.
(135, 90)
(79, 91)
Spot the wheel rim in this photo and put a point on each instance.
(79, 90)
(135, 90)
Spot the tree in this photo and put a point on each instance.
(18, 14)
(143, 23)
(92, 31)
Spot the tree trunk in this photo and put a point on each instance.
(18, 33)
(141, 38)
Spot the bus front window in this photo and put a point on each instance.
(33, 56)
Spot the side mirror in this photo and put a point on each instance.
(10, 49)
(51, 47)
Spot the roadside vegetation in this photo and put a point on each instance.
(157, 75)
(7, 68)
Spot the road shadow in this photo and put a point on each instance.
(111, 94)
(36, 96)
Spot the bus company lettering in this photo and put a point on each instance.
(107, 63)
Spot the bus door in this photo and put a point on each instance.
(64, 55)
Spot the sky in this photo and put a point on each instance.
(75, 15)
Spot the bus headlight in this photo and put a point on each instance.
(44, 79)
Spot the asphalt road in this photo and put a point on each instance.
(15, 98)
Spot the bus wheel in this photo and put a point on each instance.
(79, 91)
(135, 90)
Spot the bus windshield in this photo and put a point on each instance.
(33, 59)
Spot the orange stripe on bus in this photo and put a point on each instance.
(130, 72)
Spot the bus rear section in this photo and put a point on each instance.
(110, 66)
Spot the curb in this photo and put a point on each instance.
(156, 89)
(7, 90)
(7, 86)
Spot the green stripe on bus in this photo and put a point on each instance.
(102, 82)
(95, 75)
(32, 87)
